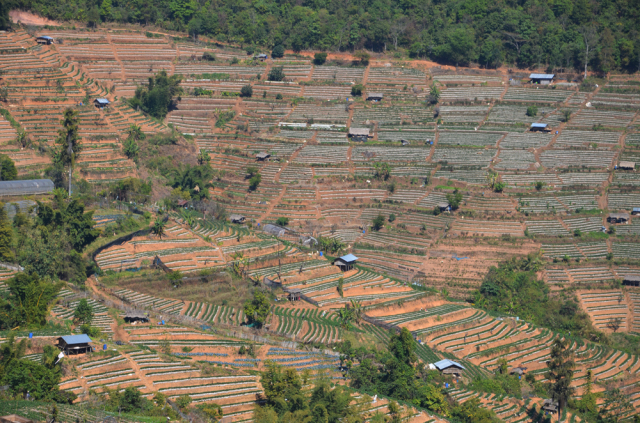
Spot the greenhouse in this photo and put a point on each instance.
(26, 187)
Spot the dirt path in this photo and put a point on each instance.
(115, 55)
(272, 205)
(28, 18)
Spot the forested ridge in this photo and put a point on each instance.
(553, 33)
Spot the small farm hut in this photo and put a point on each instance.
(44, 39)
(635, 211)
(449, 367)
(359, 134)
(26, 187)
(550, 406)
(520, 371)
(539, 127)
(237, 218)
(626, 165)
(618, 217)
(262, 156)
(542, 78)
(345, 263)
(135, 316)
(262, 57)
(631, 280)
(443, 206)
(374, 96)
(74, 344)
(294, 294)
(101, 103)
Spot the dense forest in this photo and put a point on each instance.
(553, 34)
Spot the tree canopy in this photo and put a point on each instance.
(158, 96)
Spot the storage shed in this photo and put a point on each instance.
(294, 294)
(449, 367)
(539, 127)
(635, 211)
(74, 344)
(136, 316)
(631, 280)
(237, 218)
(542, 78)
(26, 187)
(626, 165)
(359, 134)
(101, 103)
(44, 39)
(520, 371)
(550, 406)
(618, 217)
(262, 156)
(375, 96)
(345, 263)
(262, 57)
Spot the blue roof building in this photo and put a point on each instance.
(345, 263)
(74, 344)
(539, 127)
(449, 366)
(44, 39)
(542, 78)
(101, 102)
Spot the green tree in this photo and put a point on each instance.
(69, 141)
(158, 97)
(340, 287)
(183, 402)
(282, 221)
(203, 157)
(560, 373)
(27, 307)
(356, 90)
(362, 58)
(532, 110)
(454, 199)
(246, 91)
(8, 171)
(83, 312)
(616, 406)
(105, 10)
(276, 74)
(277, 52)
(254, 182)
(257, 309)
(382, 170)
(6, 237)
(158, 228)
(319, 58)
(434, 94)
(378, 222)
(131, 149)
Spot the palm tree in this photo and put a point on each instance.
(158, 228)
(356, 311)
(345, 316)
(135, 132)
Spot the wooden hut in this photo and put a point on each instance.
(449, 367)
(74, 344)
(346, 263)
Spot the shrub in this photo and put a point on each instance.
(356, 90)
(362, 58)
(254, 182)
(276, 74)
(378, 222)
(208, 56)
(282, 221)
(392, 217)
(278, 51)
(319, 58)
(278, 96)
(250, 50)
(532, 110)
(246, 91)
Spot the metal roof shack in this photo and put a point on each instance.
(27, 186)
(359, 134)
(542, 78)
(44, 39)
(262, 156)
(539, 127)
(237, 218)
(631, 280)
(375, 96)
(550, 405)
(636, 210)
(627, 165)
(518, 371)
(618, 217)
(274, 230)
(449, 367)
(135, 316)
(345, 263)
(74, 344)
(101, 102)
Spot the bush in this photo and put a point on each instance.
(362, 58)
(278, 96)
(282, 221)
(532, 111)
(246, 91)
(276, 74)
(378, 222)
(208, 56)
(254, 182)
(250, 50)
(356, 90)
(392, 217)
(319, 58)
(278, 51)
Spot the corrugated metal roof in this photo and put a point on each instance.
(102, 100)
(349, 258)
(26, 186)
(539, 125)
(359, 131)
(542, 76)
(76, 339)
(44, 37)
(446, 363)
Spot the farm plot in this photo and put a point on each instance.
(623, 201)
(433, 199)
(546, 227)
(594, 250)
(305, 266)
(419, 220)
(576, 158)
(538, 95)
(277, 149)
(337, 74)
(590, 117)
(590, 179)
(616, 100)
(391, 114)
(407, 241)
(327, 92)
(406, 135)
(515, 160)
(490, 204)
(471, 93)
(469, 138)
(331, 171)
(461, 78)
(591, 274)
(573, 138)
(389, 154)
(541, 204)
(333, 113)
(406, 196)
(487, 228)
(574, 202)
(344, 235)
(322, 155)
(463, 156)
(463, 114)
(626, 250)
(605, 306)
(477, 177)
(368, 194)
(293, 174)
(392, 75)
(514, 115)
(144, 300)
(560, 250)
(525, 140)
(556, 276)
(331, 137)
(305, 324)
(632, 228)
(626, 179)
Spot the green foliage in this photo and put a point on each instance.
(254, 182)
(192, 179)
(27, 307)
(83, 312)
(8, 168)
(340, 287)
(257, 309)
(130, 189)
(356, 90)
(246, 91)
(6, 236)
(560, 371)
(319, 58)
(454, 199)
(208, 56)
(158, 96)
(277, 52)
(499, 186)
(361, 58)
(392, 217)
(282, 221)
(532, 110)
(471, 412)
(68, 140)
(131, 149)
(183, 401)
(382, 170)
(204, 158)
(434, 94)
(539, 185)
(500, 384)
(276, 74)
(212, 411)
(158, 228)
(224, 118)
(378, 223)
(330, 245)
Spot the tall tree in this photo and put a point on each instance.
(83, 312)
(590, 38)
(560, 372)
(6, 237)
(69, 141)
